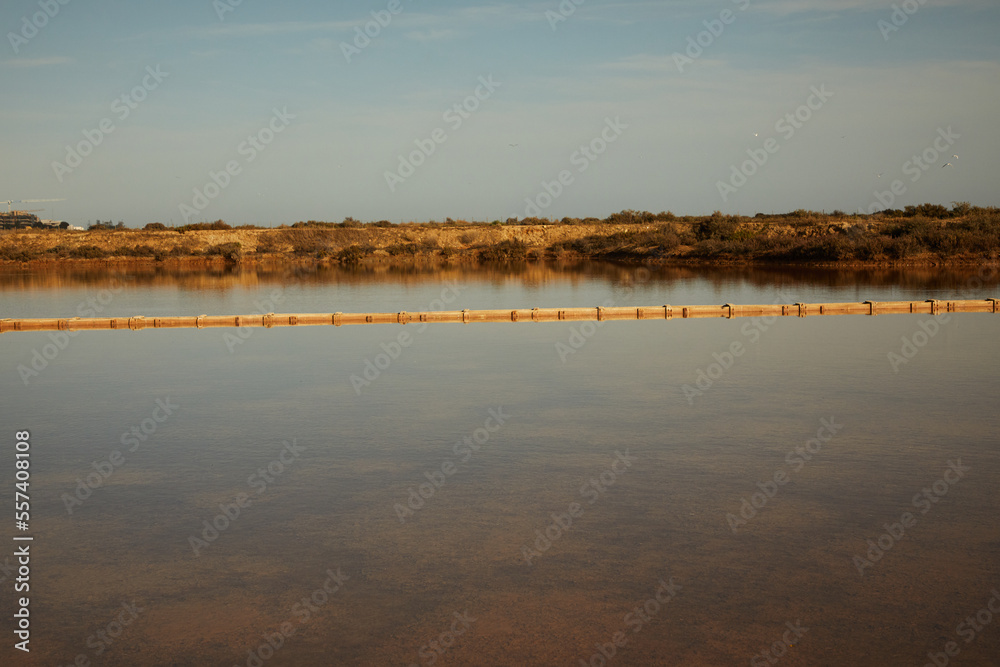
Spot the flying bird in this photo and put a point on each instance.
(947, 164)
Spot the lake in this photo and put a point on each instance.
(802, 491)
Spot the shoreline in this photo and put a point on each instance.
(283, 260)
(715, 241)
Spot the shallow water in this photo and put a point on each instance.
(502, 427)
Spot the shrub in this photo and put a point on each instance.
(232, 252)
(306, 241)
(139, 251)
(155, 227)
(89, 252)
(354, 254)
(204, 226)
(402, 249)
(718, 227)
(17, 254)
(505, 251)
(267, 243)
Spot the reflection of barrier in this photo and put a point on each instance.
(599, 314)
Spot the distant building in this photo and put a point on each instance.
(22, 220)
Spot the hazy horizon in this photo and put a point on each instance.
(255, 114)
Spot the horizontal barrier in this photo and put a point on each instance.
(598, 314)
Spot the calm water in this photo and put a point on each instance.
(500, 494)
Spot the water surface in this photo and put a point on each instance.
(645, 436)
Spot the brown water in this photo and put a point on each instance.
(649, 552)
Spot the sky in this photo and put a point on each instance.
(418, 110)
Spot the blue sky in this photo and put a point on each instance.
(307, 132)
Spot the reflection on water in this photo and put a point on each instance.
(248, 504)
(536, 274)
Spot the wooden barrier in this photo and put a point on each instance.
(599, 314)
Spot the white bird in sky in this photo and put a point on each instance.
(947, 164)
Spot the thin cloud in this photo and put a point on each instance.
(431, 35)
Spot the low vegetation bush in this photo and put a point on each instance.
(89, 252)
(354, 254)
(509, 250)
(306, 241)
(203, 226)
(232, 252)
(138, 251)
